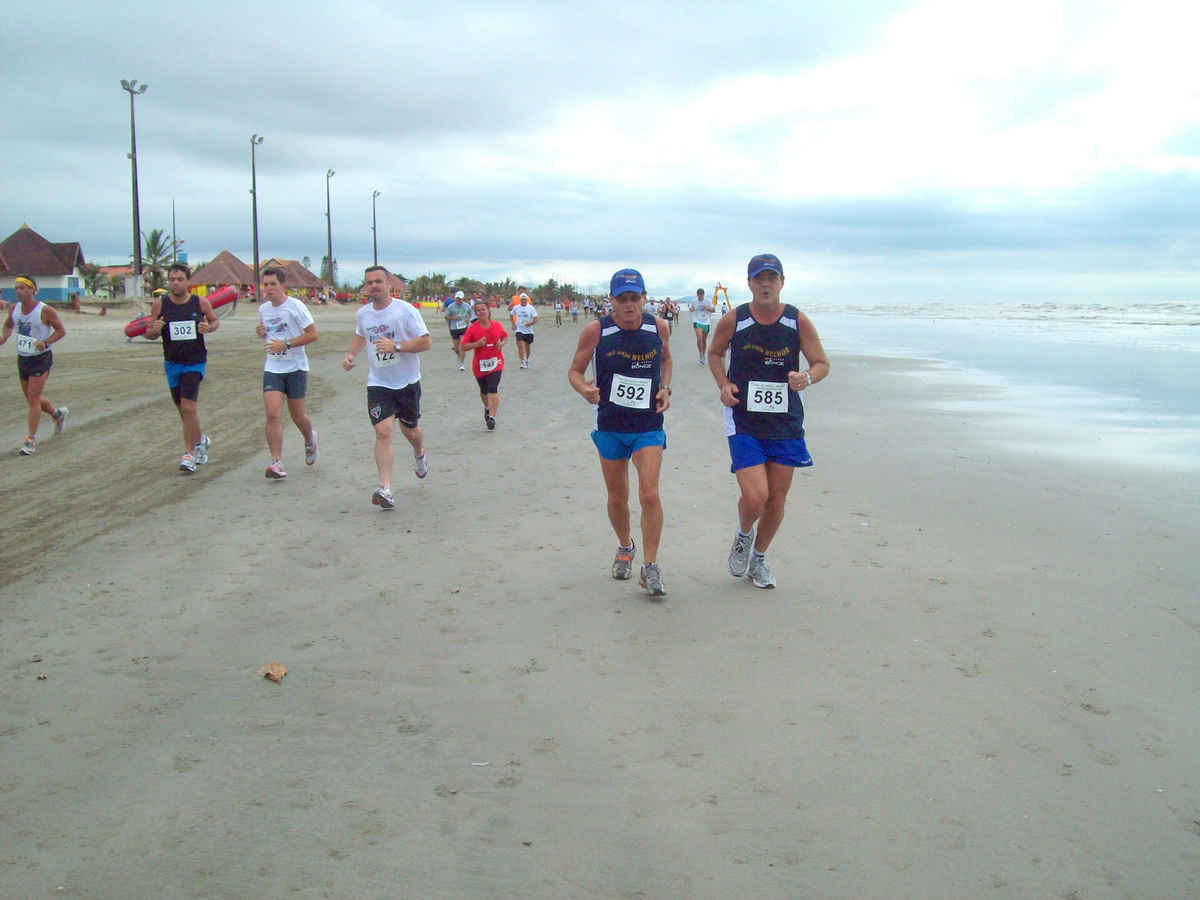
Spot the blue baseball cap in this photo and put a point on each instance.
(764, 262)
(625, 281)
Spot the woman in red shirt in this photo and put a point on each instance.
(486, 339)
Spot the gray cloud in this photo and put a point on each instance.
(389, 95)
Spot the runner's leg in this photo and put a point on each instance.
(384, 452)
(616, 481)
(300, 418)
(273, 401)
(32, 389)
(779, 482)
(648, 462)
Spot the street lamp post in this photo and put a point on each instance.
(255, 140)
(134, 89)
(374, 237)
(329, 233)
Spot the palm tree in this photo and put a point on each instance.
(505, 288)
(93, 277)
(156, 255)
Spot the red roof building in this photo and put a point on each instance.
(54, 266)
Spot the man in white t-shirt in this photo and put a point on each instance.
(702, 310)
(524, 318)
(393, 333)
(286, 325)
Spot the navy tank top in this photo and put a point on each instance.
(628, 370)
(181, 337)
(760, 357)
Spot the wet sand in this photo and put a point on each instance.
(977, 676)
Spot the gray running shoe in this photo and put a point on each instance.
(421, 465)
(60, 419)
(187, 465)
(491, 422)
(760, 572)
(739, 554)
(383, 498)
(200, 451)
(651, 580)
(622, 568)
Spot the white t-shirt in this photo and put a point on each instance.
(284, 323)
(398, 321)
(702, 311)
(524, 316)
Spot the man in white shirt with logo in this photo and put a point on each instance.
(286, 325)
(524, 318)
(394, 333)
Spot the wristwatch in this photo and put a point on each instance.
(667, 388)
(288, 344)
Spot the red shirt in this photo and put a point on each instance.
(489, 351)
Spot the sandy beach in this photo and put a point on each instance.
(977, 677)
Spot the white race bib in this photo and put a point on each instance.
(25, 345)
(286, 353)
(767, 397)
(488, 365)
(383, 360)
(182, 330)
(632, 393)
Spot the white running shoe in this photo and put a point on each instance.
(29, 447)
(275, 470)
(187, 465)
(461, 367)
(310, 450)
(651, 580)
(760, 572)
(622, 567)
(421, 465)
(60, 419)
(739, 554)
(200, 451)
(383, 498)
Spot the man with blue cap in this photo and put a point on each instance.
(774, 354)
(630, 388)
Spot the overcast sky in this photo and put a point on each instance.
(886, 151)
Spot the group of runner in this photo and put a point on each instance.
(774, 355)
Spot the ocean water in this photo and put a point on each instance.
(1114, 385)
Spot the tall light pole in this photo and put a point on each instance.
(134, 89)
(374, 237)
(329, 233)
(255, 140)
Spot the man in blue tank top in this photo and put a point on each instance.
(630, 389)
(774, 354)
